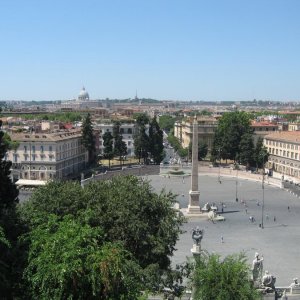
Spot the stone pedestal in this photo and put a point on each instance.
(193, 207)
(196, 250)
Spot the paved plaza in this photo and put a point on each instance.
(278, 242)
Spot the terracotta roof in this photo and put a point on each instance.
(289, 136)
(262, 124)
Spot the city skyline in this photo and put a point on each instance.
(166, 50)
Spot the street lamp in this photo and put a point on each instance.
(263, 195)
(236, 186)
(219, 177)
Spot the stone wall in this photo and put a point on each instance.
(136, 171)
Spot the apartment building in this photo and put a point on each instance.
(284, 150)
(44, 156)
(206, 131)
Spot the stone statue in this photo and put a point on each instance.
(268, 282)
(197, 235)
(295, 283)
(257, 267)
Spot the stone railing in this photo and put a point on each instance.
(142, 170)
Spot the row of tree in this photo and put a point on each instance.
(233, 140)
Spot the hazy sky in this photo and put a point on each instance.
(164, 49)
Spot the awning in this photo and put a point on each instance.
(28, 182)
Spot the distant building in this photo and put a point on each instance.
(262, 128)
(46, 156)
(206, 131)
(284, 150)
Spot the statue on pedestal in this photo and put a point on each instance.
(268, 282)
(197, 235)
(257, 267)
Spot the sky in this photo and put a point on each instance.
(209, 50)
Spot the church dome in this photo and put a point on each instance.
(83, 95)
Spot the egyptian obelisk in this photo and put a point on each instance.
(194, 206)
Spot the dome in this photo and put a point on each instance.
(83, 95)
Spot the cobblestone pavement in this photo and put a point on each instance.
(279, 241)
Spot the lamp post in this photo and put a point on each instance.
(236, 186)
(219, 177)
(263, 194)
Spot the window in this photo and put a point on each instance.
(42, 149)
(15, 158)
(25, 149)
(33, 157)
(50, 148)
(33, 149)
(129, 143)
(296, 155)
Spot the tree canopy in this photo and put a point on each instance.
(125, 209)
(223, 279)
(166, 122)
(88, 137)
(156, 141)
(231, 127)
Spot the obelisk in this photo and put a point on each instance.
(194, 206)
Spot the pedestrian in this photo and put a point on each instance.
(267, 217)
(274, 219)
(182, 179)
(246, 210)
(222, 239)
(288, 208)
(222, 209)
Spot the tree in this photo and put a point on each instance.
(9, 224)
(67, 260)
(217, 279)
(120, 147)
(156, 141)
(141, 139)
(202, 149)
(88, 138)
(231, 127)
(261, 154)
(166, 122)
(125, 208)
(246, 150)
(108, 146)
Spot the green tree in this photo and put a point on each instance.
(202, 149)
(67, 260)
(120, 147)
(9, 224)
(166, 122)
(227, 279)
(141, 139)
(156, 141)
(108, 146)
(88, 138)
(126, 208)
(246, 150)
(231, 127)
(261, 154)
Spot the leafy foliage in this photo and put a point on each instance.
(246, 150)
(166, 122)
(175, 143)
(156, 141)
(88, 137)
(227, 279)
(125, 208)
(261, 154)
(120, 148)
(231, 127)
(108, 146)
(141, 139)
(68, 261)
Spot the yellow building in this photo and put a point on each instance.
(284, 150)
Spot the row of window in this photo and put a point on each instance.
(282, 145)
(284, 153)
(64, 147)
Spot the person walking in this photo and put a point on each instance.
(222, 239)
(274, 219)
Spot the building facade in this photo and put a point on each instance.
(284, 150)
(45, 156)
(206, 131)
